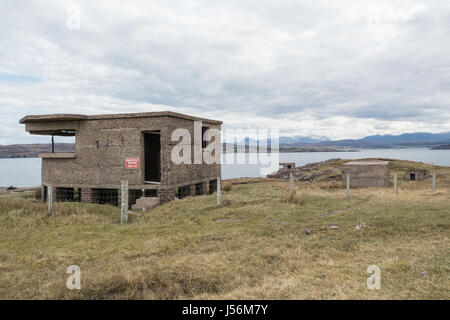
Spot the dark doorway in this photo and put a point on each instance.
(212, 186)
(152, 145)
(413, 176)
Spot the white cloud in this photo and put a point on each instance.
(339, 69)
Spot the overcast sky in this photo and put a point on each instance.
(341, 69)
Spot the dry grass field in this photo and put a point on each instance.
(255, 247)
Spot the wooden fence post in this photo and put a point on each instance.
(124, 202)
(347, 190)
(395, 183)
(434, 181)
(219, 200)
(50, 198)
(291, 182)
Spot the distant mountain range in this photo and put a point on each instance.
(409, 137)
(300, 140)
(418, 139)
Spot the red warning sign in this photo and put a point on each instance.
(132, 163)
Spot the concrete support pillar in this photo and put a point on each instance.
(192, 186)
(166, 195)
(205, 187)
(87, 195)
(43, 194)
(58, 195)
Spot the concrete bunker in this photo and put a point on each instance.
(287, 165)
(373, 173)
(417, 175)
(135, 147)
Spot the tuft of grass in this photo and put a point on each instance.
(38, 194)
(227, 186)
(294, 198)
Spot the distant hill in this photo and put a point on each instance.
(409, 137)
(285, 140)
(302, 140)
(418, 139)
(442, 147)
(32, 150)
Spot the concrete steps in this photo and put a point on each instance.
(145, 203)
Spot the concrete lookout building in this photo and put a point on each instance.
(134, 147)
(417, 175)
(371, 173)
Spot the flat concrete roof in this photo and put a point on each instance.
(81, 117)
(366, 163)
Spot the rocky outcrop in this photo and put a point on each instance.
(306, 173)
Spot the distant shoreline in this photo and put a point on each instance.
(32, 151)
(442, 147)
(223, 152)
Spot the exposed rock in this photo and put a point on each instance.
(306, 173)
(307, 177)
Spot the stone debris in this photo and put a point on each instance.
(307, 231)
(303, 173)
(145, 203)
(333, 226)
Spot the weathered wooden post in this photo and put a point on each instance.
(219, 201)
(50, 198)
(124, 203)
(395, 183)
(434, 181)
(348, 186)
(291, 182)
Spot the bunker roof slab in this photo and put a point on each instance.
(81, 117)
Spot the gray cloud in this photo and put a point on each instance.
(337, 69)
